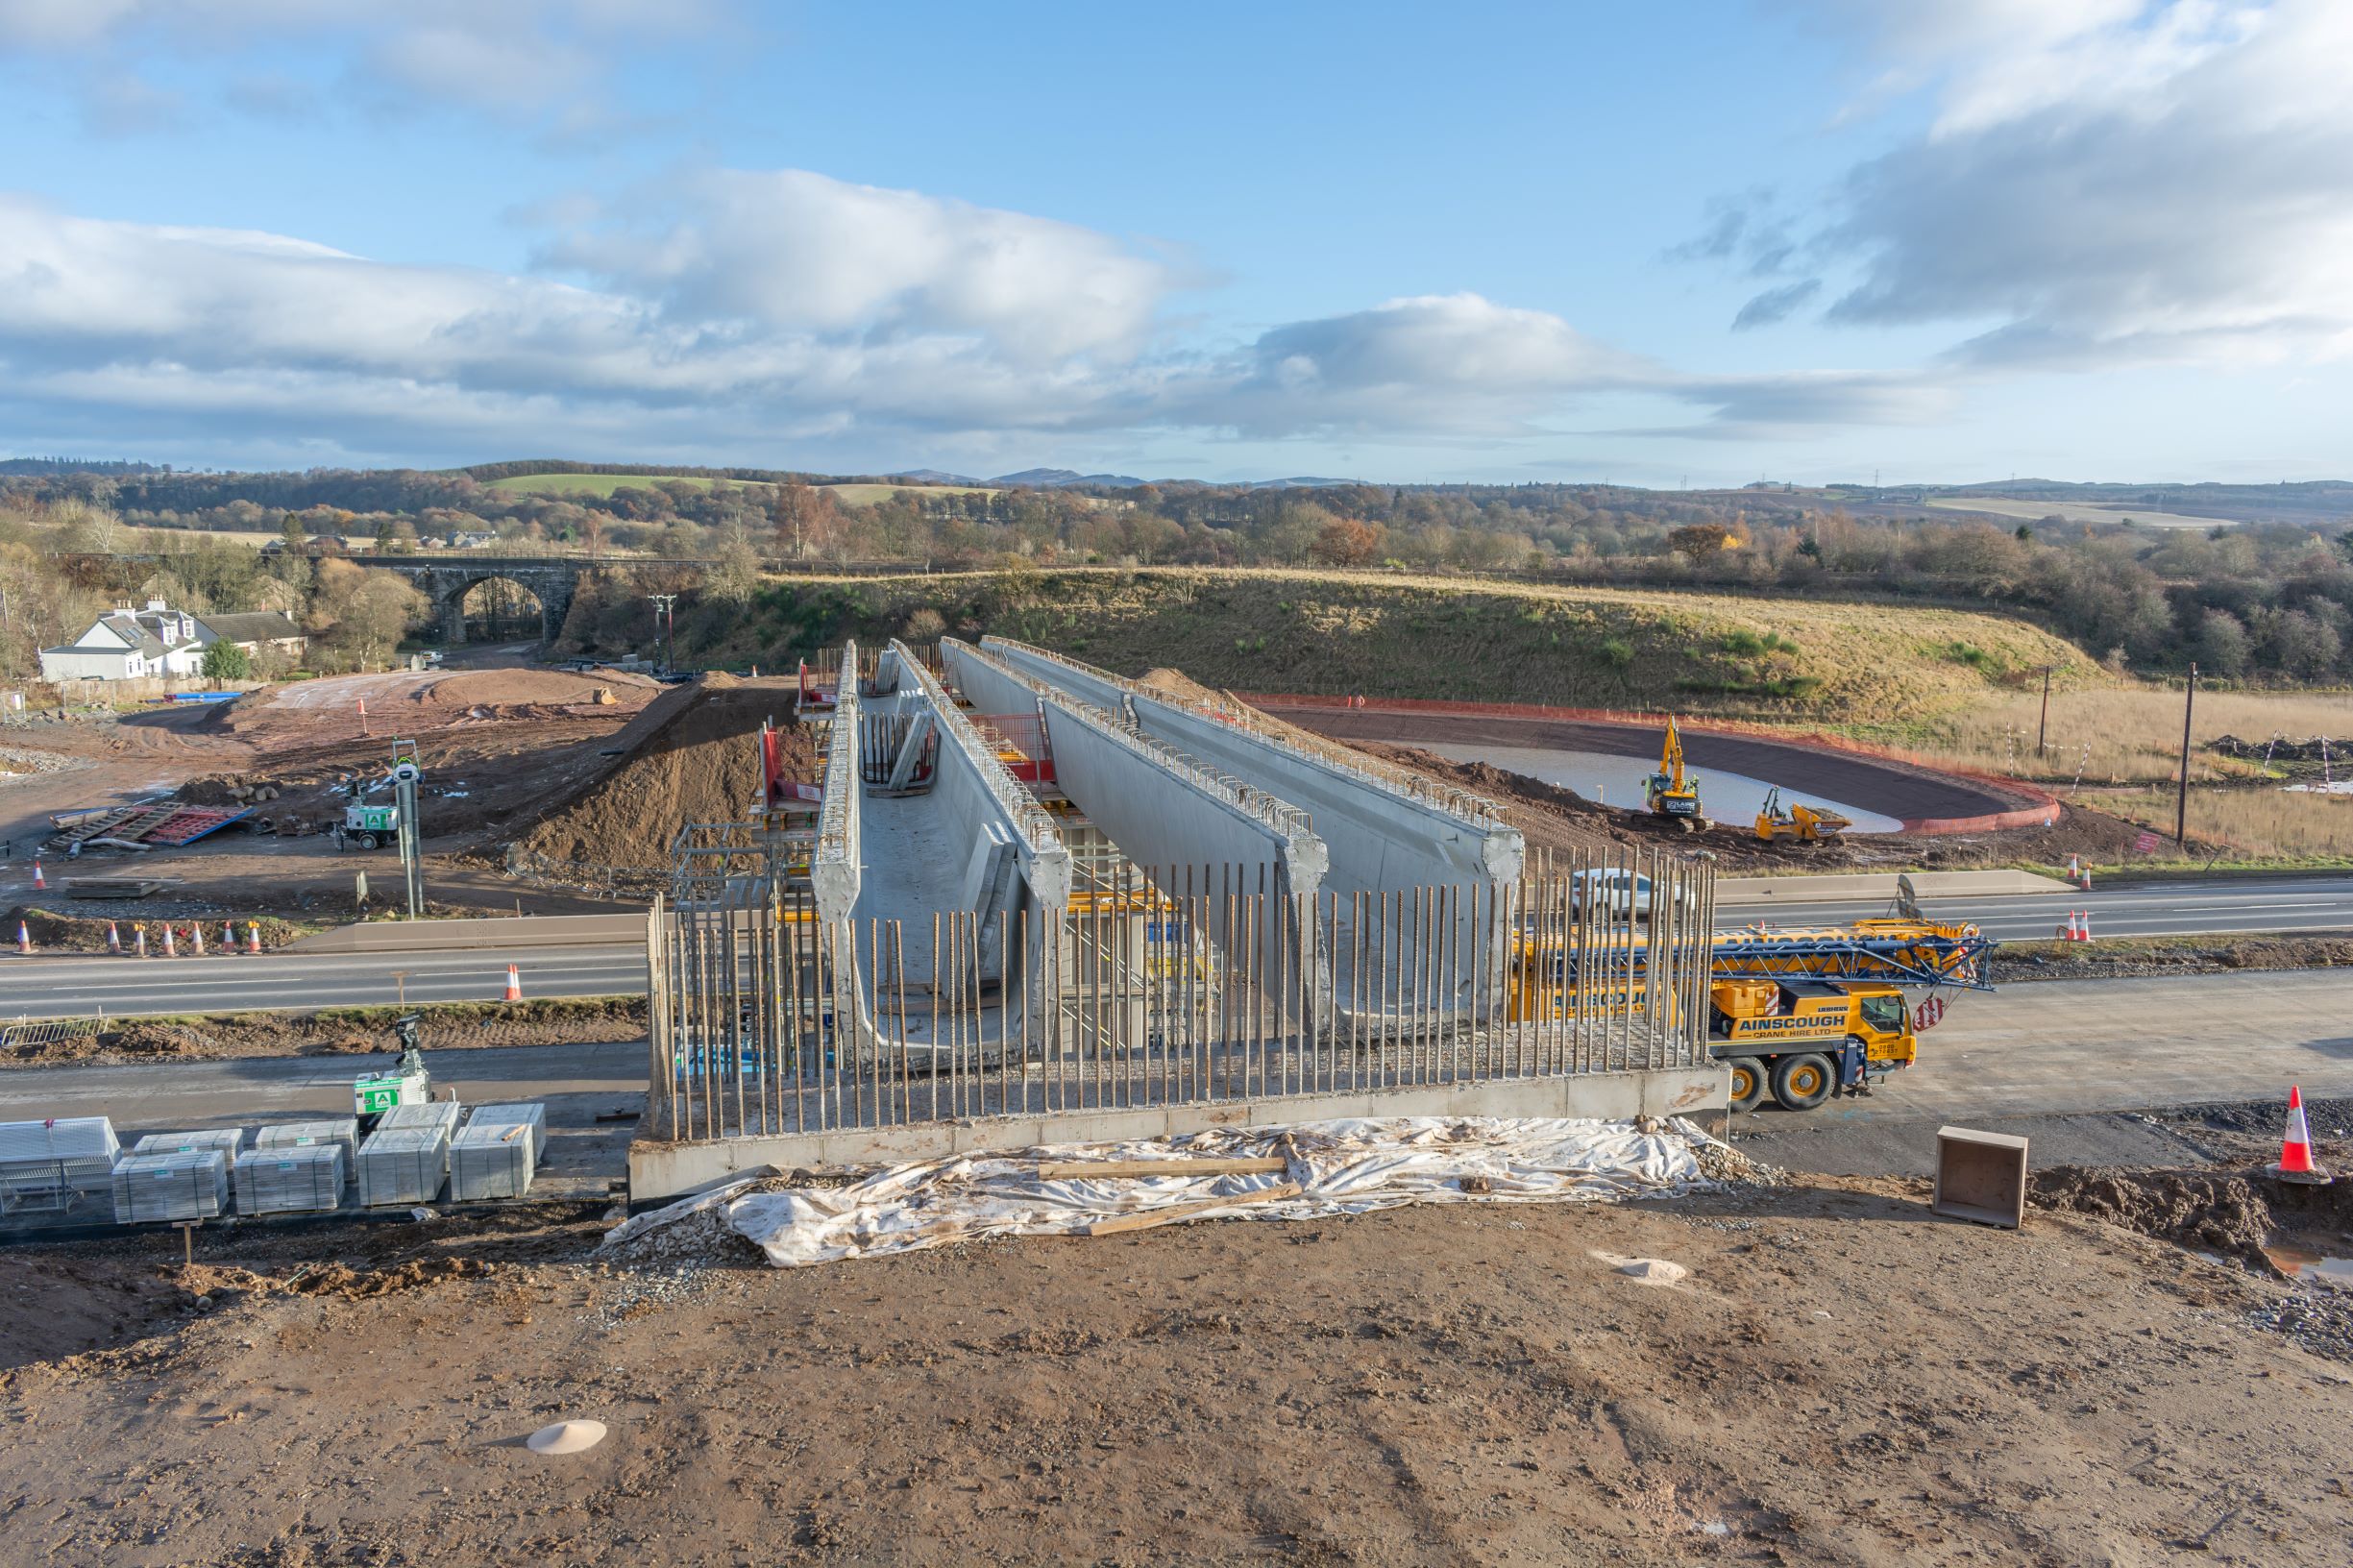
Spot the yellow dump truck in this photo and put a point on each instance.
(1802, 1040)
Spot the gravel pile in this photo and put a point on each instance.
(691, 1235)
(16, 759)
(2319, 1320)
(633, 1295)
(1722, 1162)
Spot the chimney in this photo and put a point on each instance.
(154, 606)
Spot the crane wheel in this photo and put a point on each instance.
(1748, 1083)
(1800, 1082)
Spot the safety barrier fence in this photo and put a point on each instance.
(1180, 986)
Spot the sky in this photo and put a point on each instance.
(1696, 244)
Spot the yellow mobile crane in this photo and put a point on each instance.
(1670, 792)
(1801, 1012)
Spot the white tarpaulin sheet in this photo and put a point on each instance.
(1341, 1167)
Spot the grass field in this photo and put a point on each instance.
(2246, 823)
(2077, 511)
(603, 485)
(2117, 734)
(1343, 632)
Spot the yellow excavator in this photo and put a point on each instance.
(1670, 792)
(1801, 823)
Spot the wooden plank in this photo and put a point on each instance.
(1064, 1171)
(1123, 1223)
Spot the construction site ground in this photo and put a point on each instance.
(1560, 819)
(1840, 1378)
(590, 773)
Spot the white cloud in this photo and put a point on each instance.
(2104, 182)
(1454, 363)
(742, 310)
(793, 250)
(511, 58)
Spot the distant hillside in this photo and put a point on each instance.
(76, 465)
(1064, 478)
(1348, 633)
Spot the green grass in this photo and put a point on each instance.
(603, 485)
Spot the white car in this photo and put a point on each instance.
(1618, 892)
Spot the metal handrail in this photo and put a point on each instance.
(1474, 809)
(1034, 823)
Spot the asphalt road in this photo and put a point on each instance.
(78, 985)
(2128, 909)
(2058, 1058)
(2055, 1059)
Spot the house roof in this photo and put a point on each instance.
(137, 638)
(254, 626)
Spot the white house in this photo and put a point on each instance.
(252, 630)
(126, 644)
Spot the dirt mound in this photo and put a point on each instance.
(687, 758)
(519, 688)
(2218, 1211)
(410, 701)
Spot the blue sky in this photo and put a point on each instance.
(1797, 238)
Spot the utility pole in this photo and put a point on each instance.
(2181, 800)
(664, 613)
(2043, 728)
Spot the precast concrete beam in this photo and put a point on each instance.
(835, 864)
(1166, 811)
(1388, 831)
(976, 785)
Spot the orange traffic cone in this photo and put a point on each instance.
(514, 984)
(196, 938)
(115, 939)
(252, 936)
(40, 881)
(2074, 928)
(24, 937)
(138, 934)
(229, 936)
(2087, 928)
(169, 950)
(2296, 1161)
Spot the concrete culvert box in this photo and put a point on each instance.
(407, 1164)
(340, 1131)
(491, 1162)
(304, 1178)
(229, 1140)
(171, 1187)
(532, 1115)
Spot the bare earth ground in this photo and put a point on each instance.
(508, 753)
(1843, 1379)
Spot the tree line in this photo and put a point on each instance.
(2254, 601)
